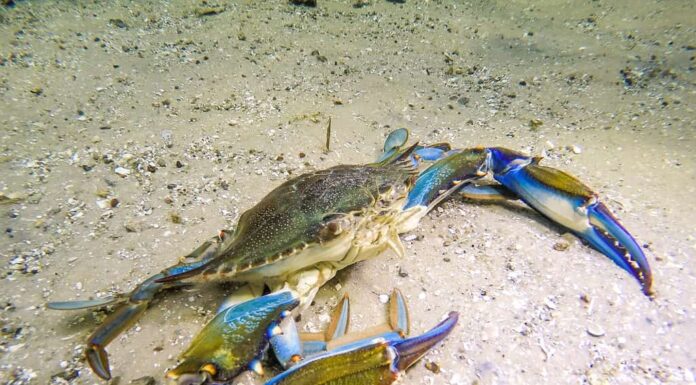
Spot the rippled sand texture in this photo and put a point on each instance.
(130, 132)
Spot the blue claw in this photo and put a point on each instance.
(287, 346)
(565, 200)
(375, 361)
(233, 340)
(446, 176)
(610, 237)
(412, 349)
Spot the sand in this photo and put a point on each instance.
(130, 132)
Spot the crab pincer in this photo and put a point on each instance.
(375, 362)
(567, 201)
(233, 341)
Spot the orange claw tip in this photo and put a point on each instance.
(99, 361)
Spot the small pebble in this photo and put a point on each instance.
(433, 367)
(383, 298)
(595, 330)
(147, 380)
(122, 172)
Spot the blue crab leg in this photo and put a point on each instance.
(234, 340)
(487, 193)
(131, 307)
(375, 362)
(291, 346)
(565, 200)
(446, 176)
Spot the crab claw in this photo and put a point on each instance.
(565, 200)
(233, 341)
(410, 350)
(378, 361)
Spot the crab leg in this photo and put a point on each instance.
(377, 361)
(132, 306)
(565, 200)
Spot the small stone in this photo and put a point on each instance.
(113, 202)
(561, 246)
(595, 330)
(410, 237)
(122, 172)
(147, 380)
(36, 90)
(402, 272)
(118, 23)
(151, 167)
(209, 11)
(102, 203)
(433, 367)
(575, 149)
(383, 298)
(306, 3)
(534, 124)
(175, 218)
(168, 200)
(131, 227)
(179, 164)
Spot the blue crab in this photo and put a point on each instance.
(311, 226)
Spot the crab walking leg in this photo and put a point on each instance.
(565, 200)
(375, 362)
(396, 327)
(291, 346)
(131, 307)
(487, 193)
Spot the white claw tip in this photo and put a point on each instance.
(256, 367)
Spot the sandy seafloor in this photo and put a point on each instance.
(209, 112)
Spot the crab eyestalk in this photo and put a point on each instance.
(233, 341)
(565, 200)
